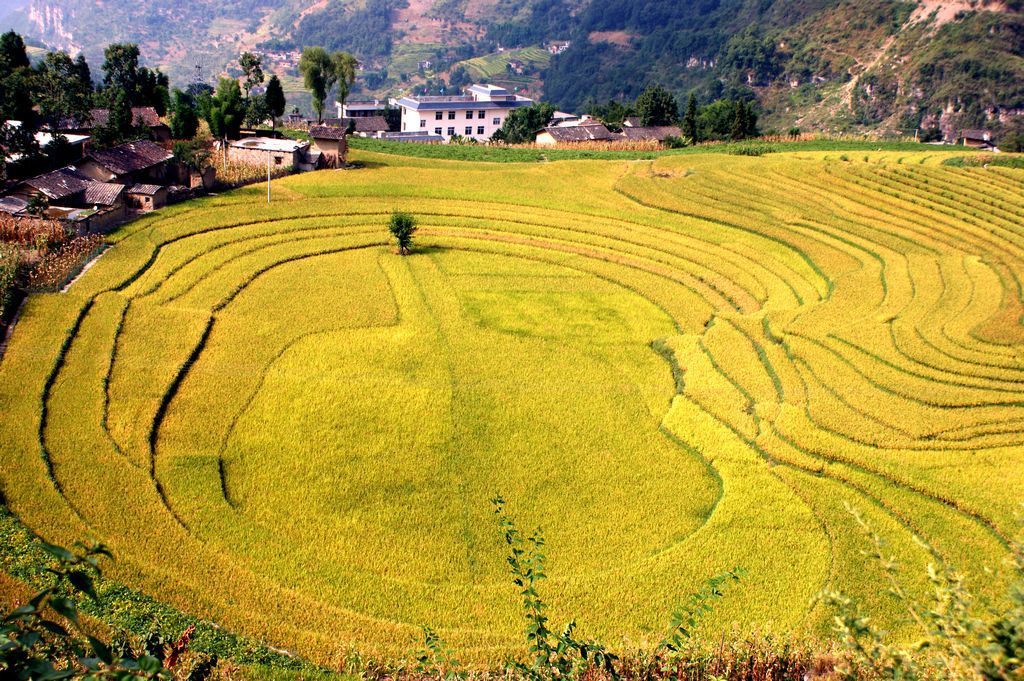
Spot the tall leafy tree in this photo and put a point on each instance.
(318, 76)
(252, 71)
(17, 82)
(225, 111)
(657, 106)
(183, 116)
(727, 119)
(343, 66)
(84, 72)
(523, 123)
(744, 120)
(62, 91)
(690, 119)
(275, 99)
(120, 125)
(13, 55)
(256, 111)
(17, 91)
(121, 68)
(403, 227)
(154, 90)
(611, 114)
(714, 122)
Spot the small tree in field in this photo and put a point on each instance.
(402, 227)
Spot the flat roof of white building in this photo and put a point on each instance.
(269, 144)
(477, 97)
(44, 139)
(488, 90)
(364, 105)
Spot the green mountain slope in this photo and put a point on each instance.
(825, 64)
(835, 63)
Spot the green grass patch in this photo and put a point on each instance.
(499, 154)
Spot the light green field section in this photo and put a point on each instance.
(495, 65)
(406, 56)
(674, 366)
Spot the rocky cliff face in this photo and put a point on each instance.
(49, 22)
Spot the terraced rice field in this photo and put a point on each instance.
(675, 366)
(495, 65)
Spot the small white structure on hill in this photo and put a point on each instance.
(278, 153)
(477, 114)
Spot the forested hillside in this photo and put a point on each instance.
(830, 64)
(842, 63)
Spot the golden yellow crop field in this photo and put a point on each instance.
(674, 366)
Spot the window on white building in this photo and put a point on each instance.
(497, 121)
(451, 115)
(437, 131)
(469, 129)
(438, 115)
(469, 115)
(451, 131)
(423, 122)
(481, 114)
(479, 129)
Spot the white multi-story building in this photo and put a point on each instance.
(477, 114)
(361, 108)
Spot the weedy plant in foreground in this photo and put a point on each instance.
(565, 655)
(34, 646)
(954, 642)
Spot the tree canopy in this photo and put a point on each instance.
(657, 106)
(611, 114)
(121, 68)
(252, 71)
(184, 118)
(225, 111)
(523, 124)
(64, 88)
(344, 66)
(321, 71)
(276, 101)
(315, 66)
(690, 118)
(13, 55)
(402, 226)
(16, 103)
(727, 119)
(120, 124)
